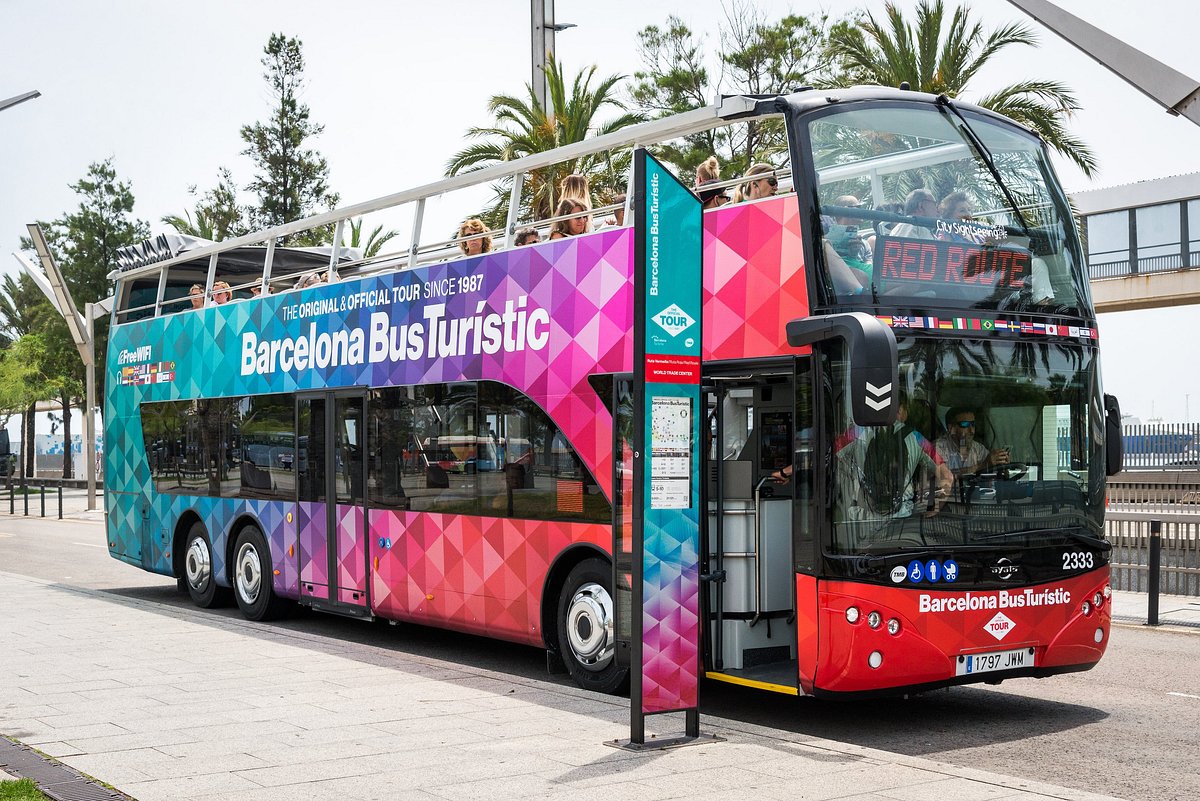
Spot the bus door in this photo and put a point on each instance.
(751, 614)
(331, 518)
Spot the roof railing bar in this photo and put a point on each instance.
(653, 131)
(268, 263)
(160, 292)
(335, 251)
(514, 210)
(212, 274)
(415, 245)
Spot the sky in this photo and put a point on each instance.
(164, 90)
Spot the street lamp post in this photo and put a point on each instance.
(543, 28)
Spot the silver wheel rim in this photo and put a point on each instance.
(590, 627)
(249, 573)
(197, 564)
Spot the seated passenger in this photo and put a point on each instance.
(708, 171)
(757, 188)
(618, 218)
(958, 448)
(880, 471)
(713, 198)
(196, 294)
(574, 226)
(576, 186)
(479, 244)
(221, 293)
(919, 203)
(528, 236)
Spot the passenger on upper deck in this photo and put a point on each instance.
(479, 244)
(618, 218)
(221, 293)
(574, 226)
(196, 293)
(919, 203)
(707, 171)
(528, 236)
(757, 188)
(576, 186)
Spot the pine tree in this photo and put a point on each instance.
(291, 180)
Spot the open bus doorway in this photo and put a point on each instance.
(758, 471)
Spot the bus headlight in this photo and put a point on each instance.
(893, 627)
(1107, 591)
(1098, 600)
(1087, 608)
(875, 660)
(852, 614)
(874, 619)
(1099, 635)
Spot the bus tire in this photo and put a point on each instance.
(198, 575)
(586, 629)
(253, 578)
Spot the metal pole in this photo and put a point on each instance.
(60, 500)
(542, 33)
(88, 451)
(1155, 561)
(42, 497)
(25, 492)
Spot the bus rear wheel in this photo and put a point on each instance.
(253, 578)
(198, 574)
(586, 628)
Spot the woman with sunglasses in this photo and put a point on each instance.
(574, 226)
(758, 188)
(958, 447)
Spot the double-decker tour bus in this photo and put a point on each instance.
(429, 435)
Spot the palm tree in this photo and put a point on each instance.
(374, 241)
(202, 228)
(524, 127)
(942, 58)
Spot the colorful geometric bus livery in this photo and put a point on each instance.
(540, 319)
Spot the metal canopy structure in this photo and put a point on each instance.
(1166, 86)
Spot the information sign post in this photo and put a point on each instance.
(657, 541)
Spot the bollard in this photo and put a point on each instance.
(42, 497)
(1154, 560)
(25, 492)
(12, 498)
(60, 501)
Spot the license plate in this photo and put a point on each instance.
(970, 664)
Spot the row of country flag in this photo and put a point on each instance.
(983, 324)
(137, 374)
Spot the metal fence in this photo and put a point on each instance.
(1162, 446)
(1129, 533)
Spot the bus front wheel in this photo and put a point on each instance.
(198, 570)
(586, 629)
(253, 578)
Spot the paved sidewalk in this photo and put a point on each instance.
(170, 703)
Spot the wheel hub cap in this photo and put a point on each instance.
(197, 564)
(590, 626)
(249, 573)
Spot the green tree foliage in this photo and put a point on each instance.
(523, 127)
(756, 55)
(373, 244)
(291, 179)
(23, 310)
(84, 242)
(941, 55)
(218, 215)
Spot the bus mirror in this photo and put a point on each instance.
(1114, 441)
(871, 346)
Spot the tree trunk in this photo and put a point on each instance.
(29, 423)
(68, 471)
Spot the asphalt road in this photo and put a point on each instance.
(1128, 728)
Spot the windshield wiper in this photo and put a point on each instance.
(985, 155)
(1083, 539)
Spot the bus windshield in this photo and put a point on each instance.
(997, 443)
(923, 202)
